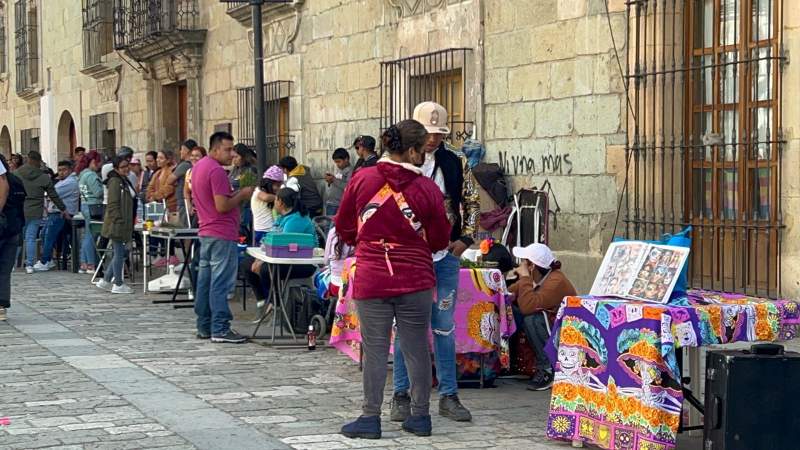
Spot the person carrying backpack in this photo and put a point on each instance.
(12, 221)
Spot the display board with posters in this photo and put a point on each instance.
(639, 271)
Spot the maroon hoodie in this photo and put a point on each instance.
(410, 255)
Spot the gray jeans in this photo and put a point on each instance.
(413, 315)
(114, 268)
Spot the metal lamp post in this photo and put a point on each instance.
(258, 88)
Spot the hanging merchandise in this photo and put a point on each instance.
(474, 151)
(491, 178)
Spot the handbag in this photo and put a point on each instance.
(96, 212)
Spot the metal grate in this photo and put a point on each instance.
(102, 133)
(29, 140)
(705, 142)
(440, 76)
(98, 30)
(26, 45)
(276, 115)
(3, 54)
(137, 22)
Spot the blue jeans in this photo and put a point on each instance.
(55, 223)
(443, 326)
(88, 254)
(216, 276)
(31, 232)
(114, 269)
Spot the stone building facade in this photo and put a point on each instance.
(537, 81)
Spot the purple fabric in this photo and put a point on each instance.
(615, 367)
(209, 179)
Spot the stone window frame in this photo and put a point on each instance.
(414, 79)
(102, 133)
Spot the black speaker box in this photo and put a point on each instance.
(751, 399)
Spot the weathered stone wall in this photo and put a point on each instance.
(555, 111)
(547, 93)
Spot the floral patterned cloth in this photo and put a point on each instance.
(482, 316)
(615, 383)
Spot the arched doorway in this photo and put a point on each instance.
(67, 136)
(5, 142)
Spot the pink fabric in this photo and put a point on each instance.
(209, 179)
(482, 315)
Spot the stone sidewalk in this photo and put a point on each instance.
(84, 369)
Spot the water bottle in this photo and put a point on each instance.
(311, 338)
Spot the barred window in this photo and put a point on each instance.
(98, 30)
(102, 133)
(26, 44)
(441, 76)
(705, 137)
(137, 22)
(276, 119)
(29, 140)
(3, 51)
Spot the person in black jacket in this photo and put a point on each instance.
(365, 149)
(450, 171)
(12, 220)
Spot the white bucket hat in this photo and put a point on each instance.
(539, 254)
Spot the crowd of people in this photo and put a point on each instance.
(406, 215)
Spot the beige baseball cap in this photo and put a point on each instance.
(433, 117)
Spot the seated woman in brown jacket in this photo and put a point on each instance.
(539, 290)
(159, 187)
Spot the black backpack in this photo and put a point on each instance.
(13, 219)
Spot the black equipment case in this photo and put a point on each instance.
(751, 399)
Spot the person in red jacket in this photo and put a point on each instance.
(395, 218)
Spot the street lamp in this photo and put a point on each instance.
(258, 88)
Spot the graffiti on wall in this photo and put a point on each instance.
(555, 163)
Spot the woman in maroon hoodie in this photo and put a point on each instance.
(395, 218)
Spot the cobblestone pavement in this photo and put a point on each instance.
(84, 369)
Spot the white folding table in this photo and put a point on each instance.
(280, 286)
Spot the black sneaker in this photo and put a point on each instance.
(541, 381)
(231, 337)
(450, 406)
(401, 407)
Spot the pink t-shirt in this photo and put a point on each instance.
(209, 179)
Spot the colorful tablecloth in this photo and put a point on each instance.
(482, 316)
(616, 383)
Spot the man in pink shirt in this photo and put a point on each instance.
(218, 213)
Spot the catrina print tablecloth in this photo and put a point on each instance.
(482, 316)
(615, 383)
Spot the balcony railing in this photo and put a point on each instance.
(139, 22)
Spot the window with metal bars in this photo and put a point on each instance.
(3, 51)
(137, 22)
(102, 133)
(98, 30)
(441, 77)
(704, 137)
(276, 116)
(29, 140)
(26, 44)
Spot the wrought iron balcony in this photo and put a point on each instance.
(145, 27)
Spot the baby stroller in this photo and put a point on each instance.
(324, 304)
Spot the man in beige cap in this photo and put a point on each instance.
(451, 173)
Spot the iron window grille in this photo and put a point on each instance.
(98, 30)
(3, 54)
(26, 44)
(138, 22)
(102, 133)
(29, 140)
(276, 116)
(705, 141)
(441, 77)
